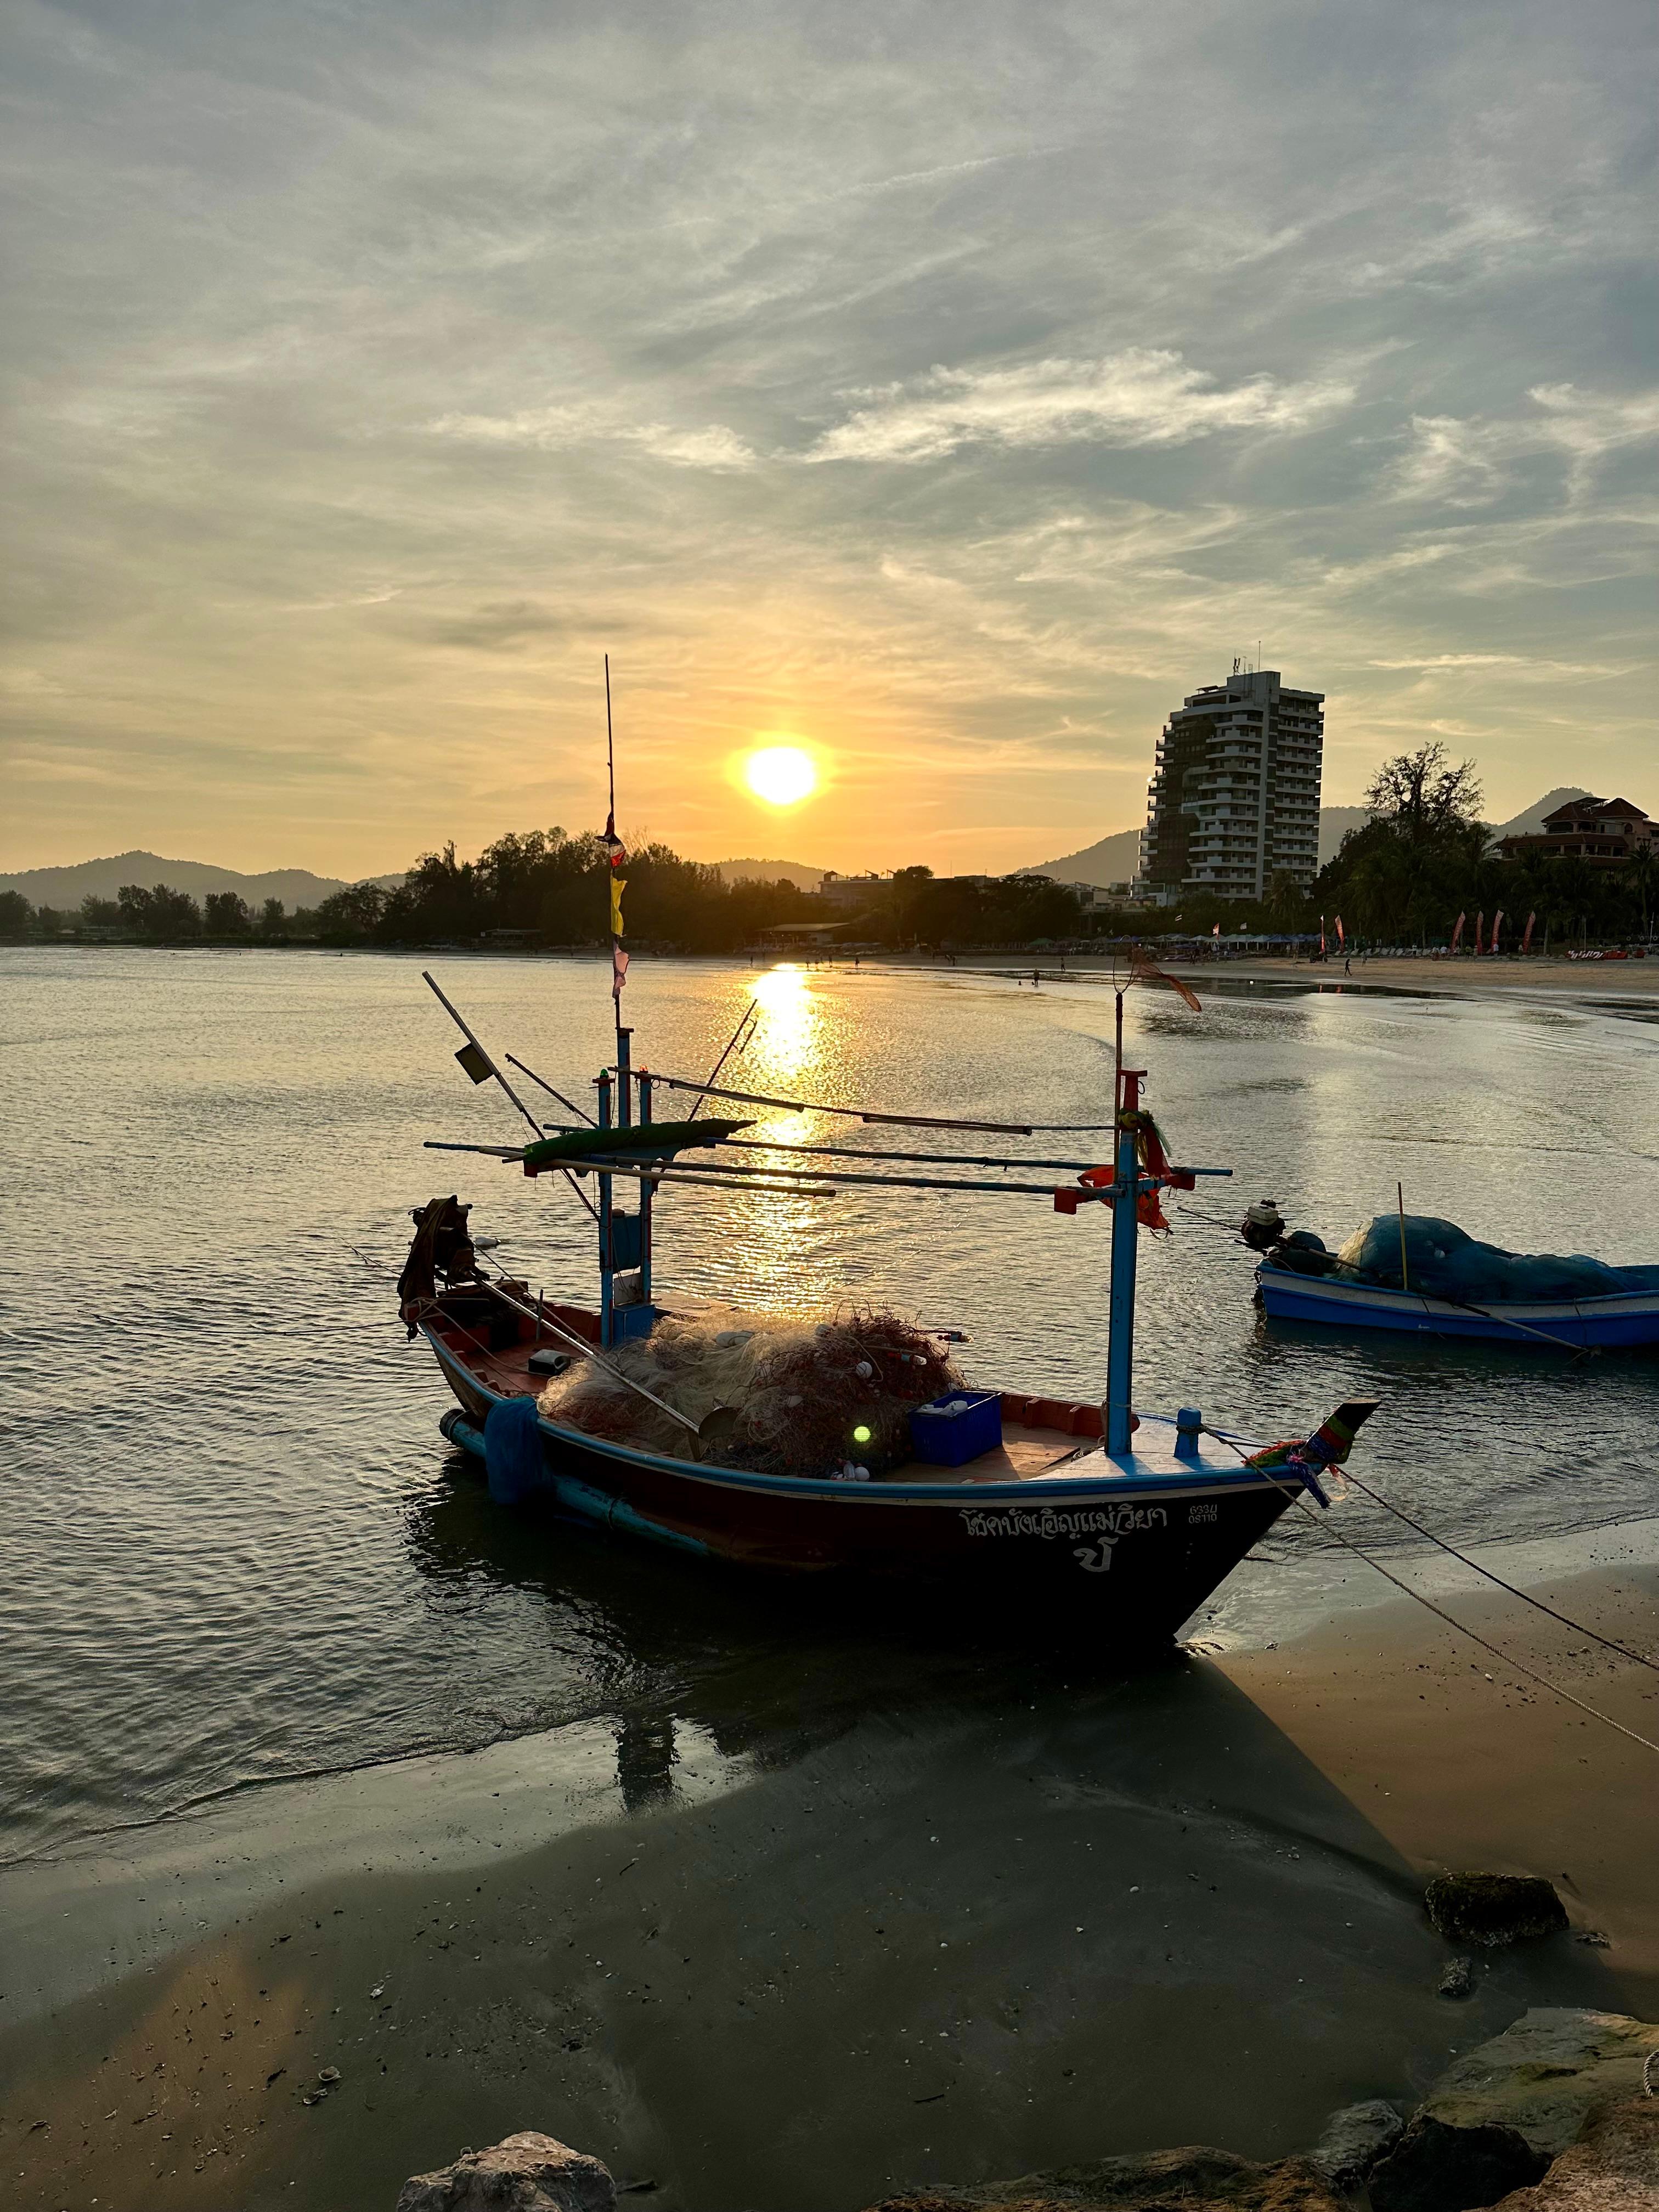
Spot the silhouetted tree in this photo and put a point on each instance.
(159, 912)
(1423, 796)
(227, 915)
(1422, 855)
(352, 914)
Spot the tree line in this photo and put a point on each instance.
(1423, 856)
(1426, 856)
(545, 887)
(157, 913)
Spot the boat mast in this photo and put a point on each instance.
(624, 1238)
(1126, 1199)
(611, 855)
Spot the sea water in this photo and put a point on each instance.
(236, 1549)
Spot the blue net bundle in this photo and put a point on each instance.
(1444, 1262)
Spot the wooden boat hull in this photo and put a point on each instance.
(1138, 1544)
(1608, 1322)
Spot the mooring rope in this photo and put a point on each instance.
(1299, 1496)
(1526, 1596)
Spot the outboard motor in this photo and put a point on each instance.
(1263, 1226)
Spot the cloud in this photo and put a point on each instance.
(1522, 664)
(1140, 398)
(1472, 463)
(502, 625)
(374, 379)
(551, 430)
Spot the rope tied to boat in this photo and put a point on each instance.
(1299, 1496)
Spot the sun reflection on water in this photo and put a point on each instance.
(786, 1040)
(773, 1237)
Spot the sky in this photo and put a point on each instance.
(946, 390)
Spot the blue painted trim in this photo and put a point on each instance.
(579, 1498)
(1622, 1321)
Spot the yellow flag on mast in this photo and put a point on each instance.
(618, 885)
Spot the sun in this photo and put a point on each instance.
(780, 775)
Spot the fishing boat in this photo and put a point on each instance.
(1000, 1495)
(1426, 1277)
(1619, 1318)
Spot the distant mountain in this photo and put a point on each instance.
(1335, 824)
(1530, 820)
(1113, 860)
(771, 872)
(65, 888)
(1110, 861)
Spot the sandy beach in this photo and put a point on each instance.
(951, 1943)
(1591, 980)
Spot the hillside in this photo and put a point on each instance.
(1531, 818)
(770, 871)
(1112, 860)
(65, 888)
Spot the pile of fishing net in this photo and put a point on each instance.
(803, 1392)
(1444, 1262)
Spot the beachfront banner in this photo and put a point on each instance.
(1480, 931)
(1457, 933)
(1322, 937)
(1496, 927)
(1526, 942)
(1341, 936)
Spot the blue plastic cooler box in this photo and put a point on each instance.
(950, 1430)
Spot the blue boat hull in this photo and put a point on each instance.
(1602, 1322)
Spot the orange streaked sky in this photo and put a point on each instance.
(946, 393)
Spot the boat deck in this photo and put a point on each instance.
(1043, 1438)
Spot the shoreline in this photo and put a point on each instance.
(950, 1942)
(1466, 976)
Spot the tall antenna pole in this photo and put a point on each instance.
(610, 754)
(615, 856)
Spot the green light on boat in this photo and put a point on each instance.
(861, 1435)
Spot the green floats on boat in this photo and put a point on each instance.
(648, 1141)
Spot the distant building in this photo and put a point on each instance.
(1604, 831)
(850, 890)
(1233, 800)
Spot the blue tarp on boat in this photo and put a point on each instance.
(1444, 1262)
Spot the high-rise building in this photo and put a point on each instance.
(1234, 796)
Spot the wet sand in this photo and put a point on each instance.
(1577, 979)
(1465, 976)
(951, 1943)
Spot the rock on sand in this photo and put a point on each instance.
(1437, 2169)
(526, 2172)
(1614, 2167)
(1354, 2139)
(1193, 2179)
(1493, 1909)
(1555, 2069)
